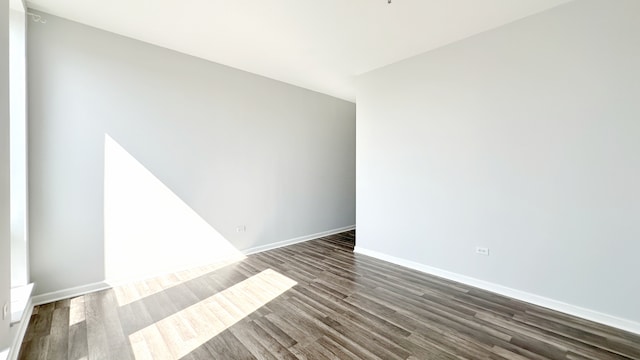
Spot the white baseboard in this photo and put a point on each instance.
(552, 304)
(258, 249)
(89, 288)
(20, 331)
(69, 293)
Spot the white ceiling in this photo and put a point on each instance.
(316, 44)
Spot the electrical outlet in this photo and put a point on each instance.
(5, 311)
(482, 251)
(241, 228)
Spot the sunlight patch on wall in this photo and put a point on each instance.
(192, 327)
(149, 230)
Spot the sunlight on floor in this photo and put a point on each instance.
(148, 229)
(181, 333)
(140, 289)
(76, 311)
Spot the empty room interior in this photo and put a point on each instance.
(336, 179)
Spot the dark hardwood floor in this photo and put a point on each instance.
(314, 300)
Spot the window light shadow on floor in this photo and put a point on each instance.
(133, 291)
(148, 229)
(193, 326)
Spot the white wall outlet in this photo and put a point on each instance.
(241, 228)
(482, 251)
(5, 311)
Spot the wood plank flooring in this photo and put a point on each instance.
(314, 300)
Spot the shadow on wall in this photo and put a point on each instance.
(148, 229)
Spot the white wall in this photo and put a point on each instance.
(18, 148)
(235, 148)
(523, 139)
(5, 235)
